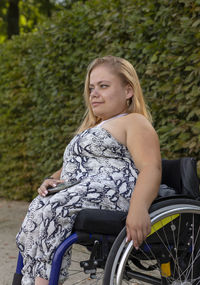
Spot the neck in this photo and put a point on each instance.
(116, 116)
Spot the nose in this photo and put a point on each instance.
(94, 92)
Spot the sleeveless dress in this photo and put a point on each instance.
(107, 176)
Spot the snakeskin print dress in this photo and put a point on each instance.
(107, 176)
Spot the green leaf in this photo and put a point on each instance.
(196, 128)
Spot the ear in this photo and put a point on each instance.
(129, 91)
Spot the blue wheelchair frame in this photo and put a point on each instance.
(183, 171)
(56, 264)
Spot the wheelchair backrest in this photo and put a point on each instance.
(181, 175)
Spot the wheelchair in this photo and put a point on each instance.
(169, 255)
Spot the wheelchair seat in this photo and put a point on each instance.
(100, 221)
(179, 174)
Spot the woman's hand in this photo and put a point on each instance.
(47, 183)
(138, 225)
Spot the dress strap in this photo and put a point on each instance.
(117, 116)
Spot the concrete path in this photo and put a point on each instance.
(11, 216)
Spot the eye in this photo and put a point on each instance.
(91, 89)
(104, 85)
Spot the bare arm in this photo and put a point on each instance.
(143, 144)
(56, 175)
(52, 181)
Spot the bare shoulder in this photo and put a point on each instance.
(142, 140)
(137, 122)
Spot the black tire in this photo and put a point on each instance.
(174, 246)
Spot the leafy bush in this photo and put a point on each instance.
(42, 77)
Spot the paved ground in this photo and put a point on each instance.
(11, 216)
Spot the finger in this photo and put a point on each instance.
(47, 184)
(43, 189)
(149, 229)
(128, 233)
(52, 182)
(134, 238)
(147, 232)
(128, 236)
(41, 192)
(60, 180)
(135, 243)
(140, 237)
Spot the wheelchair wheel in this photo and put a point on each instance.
(77, 276)
(169, 255)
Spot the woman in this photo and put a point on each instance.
(115, 158)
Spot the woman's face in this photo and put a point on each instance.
(108, 96)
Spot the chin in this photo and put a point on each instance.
(98, 115)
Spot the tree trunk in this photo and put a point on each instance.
(49, 7)
(45, 7)
(13, 18)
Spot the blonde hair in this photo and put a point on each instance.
(128, 75)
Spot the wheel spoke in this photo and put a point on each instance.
(172, 237)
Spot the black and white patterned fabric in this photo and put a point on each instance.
(107, 176)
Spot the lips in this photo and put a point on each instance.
(95, 104)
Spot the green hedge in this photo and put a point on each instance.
(42, 77)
